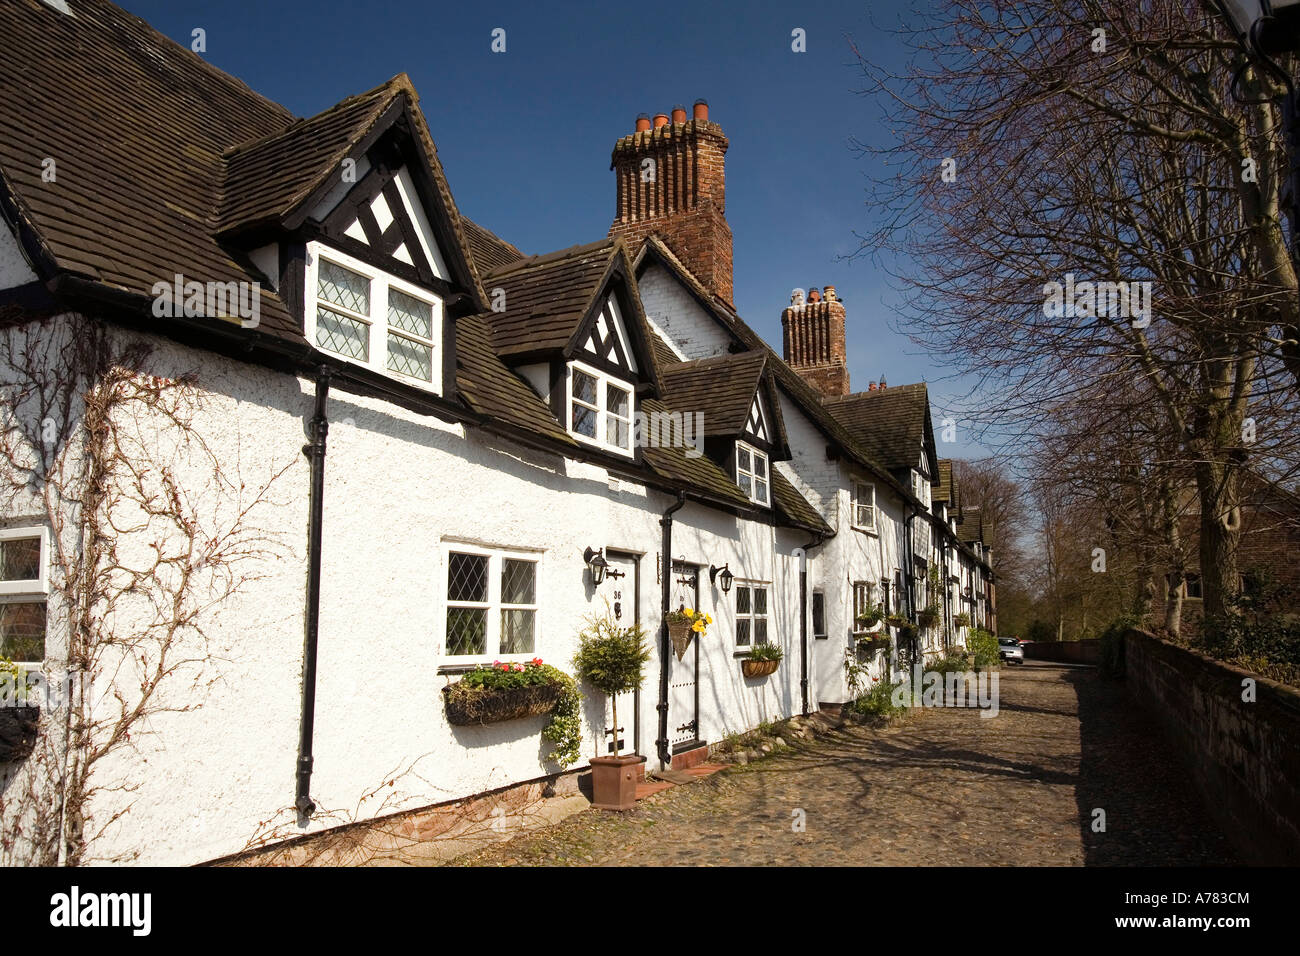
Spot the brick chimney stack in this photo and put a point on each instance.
(813, 340)
(672, 181)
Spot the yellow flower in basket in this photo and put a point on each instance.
(698, 627)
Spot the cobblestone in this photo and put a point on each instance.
(946, 787)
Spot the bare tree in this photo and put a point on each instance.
(1046, 143)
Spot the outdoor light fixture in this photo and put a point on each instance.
(596, 561)
(600, 569)
(727, 577)
(1264, 27)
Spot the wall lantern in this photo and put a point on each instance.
(600, 568)
(727, 577)
(1264, 27)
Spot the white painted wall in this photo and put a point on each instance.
(673, 312)
(14, 270)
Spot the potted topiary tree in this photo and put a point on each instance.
(612, 659)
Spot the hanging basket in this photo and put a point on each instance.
(492, 705)
(758, 668)
(681, 635)
(927, 619)
(18, 732)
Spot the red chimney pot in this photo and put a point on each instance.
(701, 110)
(660, 120)
(642, 122)
(679, 113)
(814, 295)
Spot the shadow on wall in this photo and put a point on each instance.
(1129, 770)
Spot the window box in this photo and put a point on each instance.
(18, 727)
(489, 705)
(752, 668)
(763, 659)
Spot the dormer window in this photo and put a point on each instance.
(370, 318)
(600, 408)
(752, 473)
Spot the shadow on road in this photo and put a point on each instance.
(1153, 815)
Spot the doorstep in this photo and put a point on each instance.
(690, 758)
(661, 781)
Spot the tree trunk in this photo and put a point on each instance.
(1217, 486)
(613, 704)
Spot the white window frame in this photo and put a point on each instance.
(32, 590)
(766, 500)
(856, 502)
(603, 381)
(862, 596)
(493, 605)
(377, 321)
(751, 616)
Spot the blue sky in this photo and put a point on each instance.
(526, 135)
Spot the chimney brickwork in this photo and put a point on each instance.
(813, 340)
(680, 194)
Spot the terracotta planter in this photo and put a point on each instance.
(18, 732)
(490, 706)
(613, 781)
(681, 635)
(758, 668)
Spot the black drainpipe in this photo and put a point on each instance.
(315, 451)
(665, 645)
(803, 617)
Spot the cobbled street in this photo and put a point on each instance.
(946, 787)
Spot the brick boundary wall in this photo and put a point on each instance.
(1064, 652)
(1245, 757)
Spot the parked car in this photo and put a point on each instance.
(1009, 650)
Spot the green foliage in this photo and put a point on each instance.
(878, 701)
(766, 652)
(564, 729)
(1260, 630)
(565, 726)
(502, 676)
(1040, 631)
(952, 663)
(1111, 646)
(983, 648)
(611, 658)
(13, 682)
(961, 620)
(871, 616)
(897, 620)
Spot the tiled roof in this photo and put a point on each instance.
(157, 153)
(721, 388)
(489, 250)
(276, 173)
(946, 491)
(135, 125)
(794, 506)
(491, 389)
(546, 296)
(891, 422)
(808, 399)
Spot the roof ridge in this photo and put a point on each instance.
(211, 68)
(551, 258)
(241, 148)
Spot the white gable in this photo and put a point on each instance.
(757, 423)
(609, 336)
(14, 270)
(384, 215)
(678, 318)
